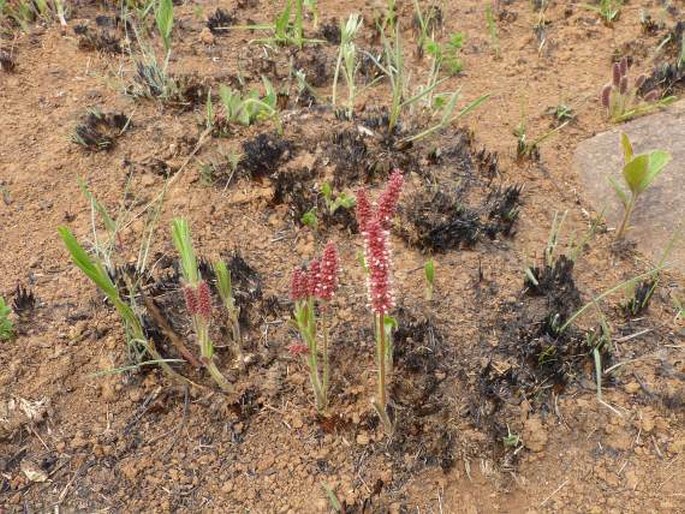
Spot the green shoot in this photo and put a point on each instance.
(225, 287)
(247, 109)
(198, 299)
(608, 10)
(429, 273)
(95, 271)
(347, 60)
(448, 116)
(6, 325)
(164, 17)
(333, 204)
(309, 219)
(639, 171)
(332, 498)
(492, 30)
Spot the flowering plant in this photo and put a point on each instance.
(310, 287)
(374, 224)
(198, 299)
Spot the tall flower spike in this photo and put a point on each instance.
(623, 65)
(616, 74)
(623, 86)
(298, 285)
(378, 261)
(364, 210)
(330, 269)
(387, 203)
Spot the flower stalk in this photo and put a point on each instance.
(375, 224)
(311, 287)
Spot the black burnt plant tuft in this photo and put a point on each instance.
(220, 22)
(263, 154)
(7, 62)
(99, 40)
(638, 304)
(24, 301)
(99, 131)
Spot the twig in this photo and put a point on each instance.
(563, 484)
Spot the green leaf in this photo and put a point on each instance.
(91, 268)
(619, 191)
(429, 270)
(180, 233)
(627, 148)
(164, 16)
(658, 159)
(635, 171)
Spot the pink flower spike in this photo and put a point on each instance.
(191, 300)
(204, 300)
(364, 210)
(387, 203)
(298, 285)
(298, 349)
(378, 261)
(330, 269)
(314, 278)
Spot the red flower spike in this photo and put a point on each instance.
(298, 349)
(387, 203)
(313, 278)
(328, 275)
(298, 285)
(204, 300)
(378, 261)
(364, 209)
(191, 300)
(616, 74)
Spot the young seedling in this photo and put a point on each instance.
(639, 171)
(333, 204)
(374, 224)
(164, 18)
(608, 10)
(198, 299)
(347, 60)
(429, 273)
(225, 286)
(6, 325)
(244, 110)
(492, 29)
(287, 32)
(311, 287)
(620, 97)
(95, 270)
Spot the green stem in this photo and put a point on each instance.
(382, 358)
(626, 217)
(326, 363)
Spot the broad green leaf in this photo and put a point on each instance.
(180, 233)
(627, 148)
(635, 171)
(658, 159)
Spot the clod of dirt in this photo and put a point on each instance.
(7, 62)
(263, 154)
(331, 32)
(99, 131)
(101, 40)
(220, 22)
(315, 65)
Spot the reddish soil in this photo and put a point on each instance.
(494, 411)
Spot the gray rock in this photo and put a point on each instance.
(660, 210)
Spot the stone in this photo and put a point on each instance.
(661, 208)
